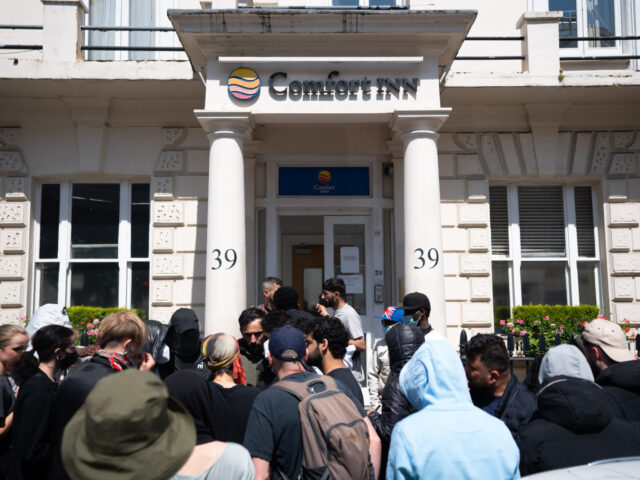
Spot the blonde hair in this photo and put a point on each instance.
(120, 326)
(8, 331)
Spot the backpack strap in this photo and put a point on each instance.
(300, 390)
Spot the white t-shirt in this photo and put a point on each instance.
(351, 320)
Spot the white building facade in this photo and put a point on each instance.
(481, 152)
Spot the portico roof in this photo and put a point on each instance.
(296, 32)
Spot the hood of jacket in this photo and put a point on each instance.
(575, 404)
(403, 341)
(624, 375)
(565, 360)
(435, 377)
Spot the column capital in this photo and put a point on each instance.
(226, 124)
(419, 122)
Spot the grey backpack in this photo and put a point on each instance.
(335, 438)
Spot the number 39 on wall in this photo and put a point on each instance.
(432, 255)
(229, 258)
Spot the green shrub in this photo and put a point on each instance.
(500, 312)
(548, 320)
(84, 319)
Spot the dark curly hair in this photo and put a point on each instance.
(305, 324)
(249, 315)
(491, 349)
(274, 320)
(336, 334)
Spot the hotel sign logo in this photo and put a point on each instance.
(244, 84)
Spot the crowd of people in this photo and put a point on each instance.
(287, 399)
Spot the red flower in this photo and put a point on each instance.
(627, 329)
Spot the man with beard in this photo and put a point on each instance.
(326, 346)
(333, 296)
(183, 340)
(493, 388)
(256, 366)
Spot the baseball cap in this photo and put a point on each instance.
(416, 301)
(393, 314)
(184, 319)
(609, 337)
(287, 338)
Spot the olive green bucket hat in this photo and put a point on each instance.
(129, 428)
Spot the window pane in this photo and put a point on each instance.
(142, 14)
(140, 285)
(345, 3)
(49, 221)
(601, 22)
(140, 220)
(587, 283)
(48, 283)
(382, 3)
(351, 236)
(102, 13)
(95, 216)
(541, 221)
(499, 220)
(543, 283)
(94, 284)
(584, 222)
(500, 278)
(568, 23)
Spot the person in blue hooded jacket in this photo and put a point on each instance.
(447, 437)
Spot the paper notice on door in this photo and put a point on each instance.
(349, 260)
(353, 283)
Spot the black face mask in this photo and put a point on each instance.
(187, 344)
(69, 359)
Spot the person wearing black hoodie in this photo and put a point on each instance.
(403, 341)
(574, 423)
(605, 346)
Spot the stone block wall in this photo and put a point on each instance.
(178, 224)
(15, 214)
(466, 240)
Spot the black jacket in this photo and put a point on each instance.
(515, 407)
(403, 341)
(574, 425)
(621, 383)
(72, 393)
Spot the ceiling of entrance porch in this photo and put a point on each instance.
(313, 32)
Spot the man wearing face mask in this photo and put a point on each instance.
(417, 308)
(183, 340)
(120, 339)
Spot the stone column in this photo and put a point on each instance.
(226, 265)
(423, 256)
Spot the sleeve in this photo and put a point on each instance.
(349, 394)
(373, 373)
(31, 442)
(399, 464)
(355, 326)
(258, 437)
(395, 407)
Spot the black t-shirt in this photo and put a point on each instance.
(7, 402)
(345, 376)
(231, 411)
(31, 429)
(273, 431)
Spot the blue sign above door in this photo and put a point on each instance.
(331, 181)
